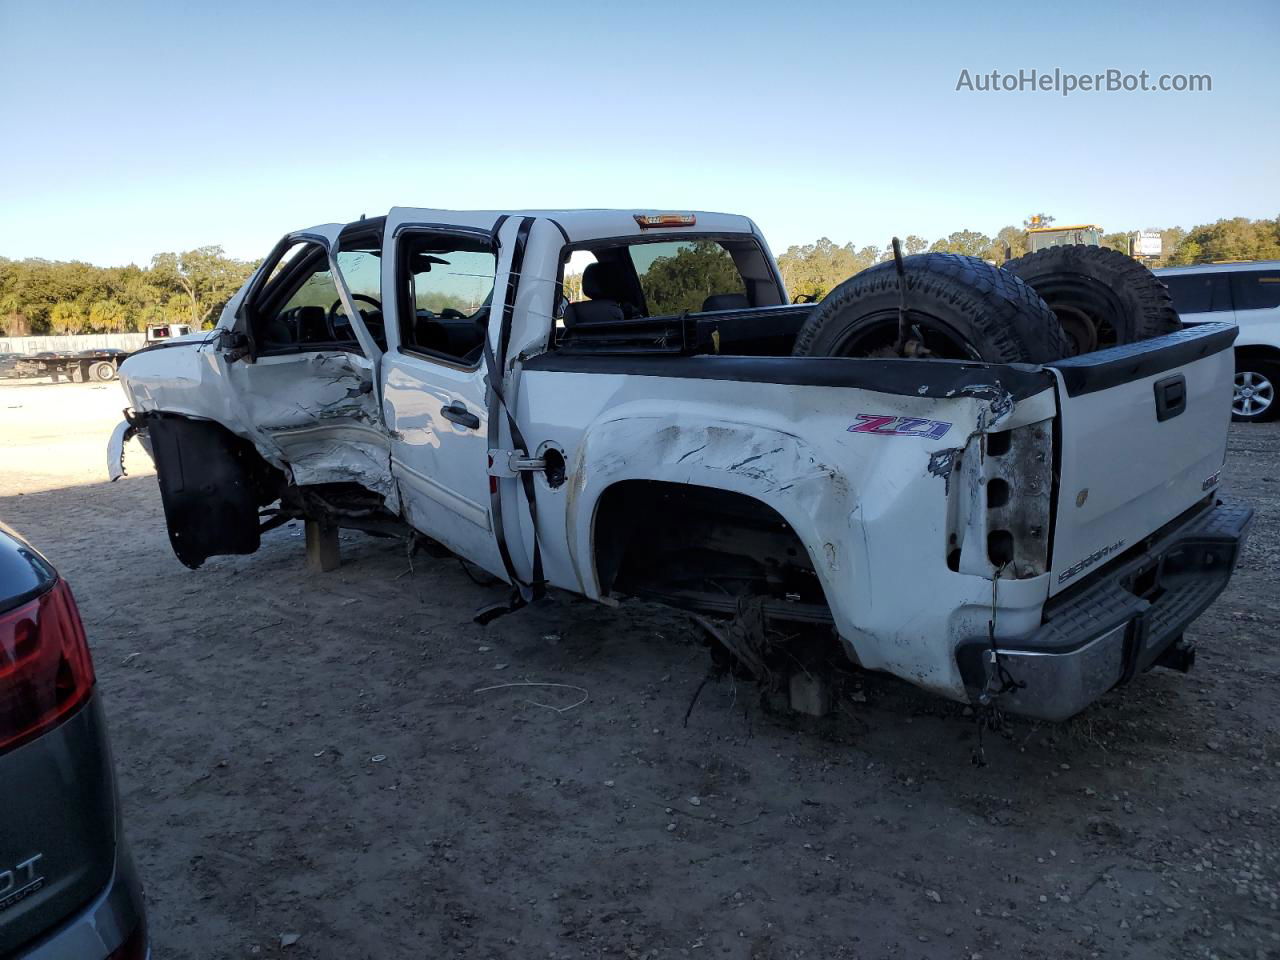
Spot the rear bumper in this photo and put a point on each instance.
(112, 927)
(1117, 625)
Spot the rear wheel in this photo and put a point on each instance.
(1100, 296)
(103, 371)
(1255, 398)
(959, 308)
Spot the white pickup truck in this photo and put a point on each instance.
(606, 402)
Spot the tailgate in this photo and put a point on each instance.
(1143, 435)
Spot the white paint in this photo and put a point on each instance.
(872, 515)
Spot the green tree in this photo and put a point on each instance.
(107, 316)
(1117, 241)
(970, 243)
(204, 276)
(1170, 239)
(1011, 239)
(66, 317)
(816, 268)
(679, 283)
(1238, 238)
(914, 244)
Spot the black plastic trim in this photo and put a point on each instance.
(496, 367)
(1134, 361)
(916, 378)
(564, 233)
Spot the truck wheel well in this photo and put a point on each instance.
(702, 548)
(1258, 352)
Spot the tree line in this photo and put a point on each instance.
(815, 268)
(55, 297)
(45, 296)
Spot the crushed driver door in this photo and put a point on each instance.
(305, 375)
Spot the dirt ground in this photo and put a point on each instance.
(332, 757)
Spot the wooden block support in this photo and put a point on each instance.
(810, 694)
(323, 553)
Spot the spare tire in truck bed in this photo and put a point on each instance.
(960, 308)
(1101, 297)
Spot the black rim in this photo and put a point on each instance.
(1080, 303)
(875, 334)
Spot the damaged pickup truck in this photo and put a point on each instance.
(618, 403)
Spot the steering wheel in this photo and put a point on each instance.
(449, 313)
(331, 318)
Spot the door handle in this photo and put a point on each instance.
(1171, 397)
(459, 415)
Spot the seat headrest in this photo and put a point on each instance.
(312, 325)
(596, 282)
(591, 311)
(726, 301)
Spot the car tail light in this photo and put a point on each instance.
(45, 668)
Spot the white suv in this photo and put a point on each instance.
(1247, 294)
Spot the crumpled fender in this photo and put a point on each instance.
(771, 465)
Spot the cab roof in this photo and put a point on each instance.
(1077, 226)
(579, 226)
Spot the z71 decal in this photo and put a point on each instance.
(900, 426)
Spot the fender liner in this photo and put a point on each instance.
(208, 485)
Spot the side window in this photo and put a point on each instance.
(687, 275)
(1198, 292)
(299, 305)
(361, 269)
(446, 289)
(1256, 289)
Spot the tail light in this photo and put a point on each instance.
(45, 668)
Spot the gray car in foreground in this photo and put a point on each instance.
(68, 890)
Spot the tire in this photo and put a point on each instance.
(1101, 297)
(1257, 384)
(962, 307)
(103, 371)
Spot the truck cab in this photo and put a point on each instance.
(1041, 238)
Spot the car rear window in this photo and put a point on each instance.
(681, 275)
(1198, 292)
(1256, 289)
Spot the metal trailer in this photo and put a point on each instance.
(97, 365)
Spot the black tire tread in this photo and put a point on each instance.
(1155, 315)
(1009, 321)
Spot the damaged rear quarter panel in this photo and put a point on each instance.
(871, 509)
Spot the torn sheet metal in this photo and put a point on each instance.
(313, 415)
(121, 435)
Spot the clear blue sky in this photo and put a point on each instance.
(136, 127)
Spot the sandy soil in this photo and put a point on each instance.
(317, 756)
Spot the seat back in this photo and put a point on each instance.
(312, 326)
(603, 305)
(725, 301)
